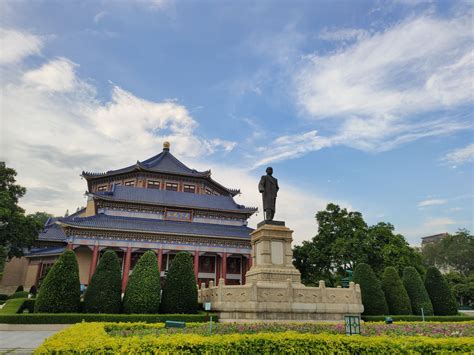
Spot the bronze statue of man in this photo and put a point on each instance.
(268, 187)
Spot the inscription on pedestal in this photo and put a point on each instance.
(277, 252)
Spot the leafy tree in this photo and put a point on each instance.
(397, 297)
(416, 291)
(462, 287)
(17, 231)
(180, 289)
(455, 252)
(142, 294)
(104, 294)
(390, 249)
(442, 299)
(344, 240)
(60, 291)
(373, 297)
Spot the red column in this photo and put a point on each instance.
(160, 259)
(218, 269)
(196, 265)
(224, 267)
(126, 269)
(95, 257)
(244, 268)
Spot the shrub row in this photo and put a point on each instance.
(412, 318)
(71, 318)
(408, 295)
(93, 338)
(60, 291)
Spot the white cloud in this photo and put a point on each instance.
(378, 92)
(57, 75)
(343, 34)
(460, 156)
(17, 45)
(99, 16)
(432, 202)
(291, 146)
(153, 4)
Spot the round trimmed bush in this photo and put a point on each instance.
(416, 291)
(142, 294)
(180, 293)
(443, 300)
(104, 294)
(60, 291)
(397, 297)
(373, 297)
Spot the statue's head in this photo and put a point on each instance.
(269, 170)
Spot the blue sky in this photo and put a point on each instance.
(365, 104)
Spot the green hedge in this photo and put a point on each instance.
(411, 318)
(142, 294)
(442, 298)
(71, 318)
(373, 297)
(104, 294)
(180, 291)
(60, 291)
(92, 338)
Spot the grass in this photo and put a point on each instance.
(12, 305)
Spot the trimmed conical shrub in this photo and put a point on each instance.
(416, 291)
(142, 294)
(60, 291)
(443, 301)
(397, 297)
(373, 297)
(104, 294)
(180, 290)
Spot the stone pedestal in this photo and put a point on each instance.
(272, 255)
(274, 292)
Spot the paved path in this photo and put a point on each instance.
(22, 342)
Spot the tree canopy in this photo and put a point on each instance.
(17, 231)
(454, 252)
(344, 240)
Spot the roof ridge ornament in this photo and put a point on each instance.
(166, 146)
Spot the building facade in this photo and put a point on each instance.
(159, 204)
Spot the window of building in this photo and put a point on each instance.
(189, 188)
(102, 188)
(153, 184)
(208, 191)
(118, 183)
(129, 183)
(170, 186)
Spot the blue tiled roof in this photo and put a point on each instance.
(174, 198)
(52, 232)
(162, 162)
(45, 251)
(103, 221)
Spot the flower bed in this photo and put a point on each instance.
(92, 338)
(429, 329)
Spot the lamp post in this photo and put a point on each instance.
(352, 324)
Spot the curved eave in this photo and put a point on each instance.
(141, 168)
(246, 211)
(64, 224)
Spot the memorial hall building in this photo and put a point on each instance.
(157, 204)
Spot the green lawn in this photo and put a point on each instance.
(12, 305)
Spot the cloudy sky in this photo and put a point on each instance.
(365, 104)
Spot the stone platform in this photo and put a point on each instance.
(274, 291)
